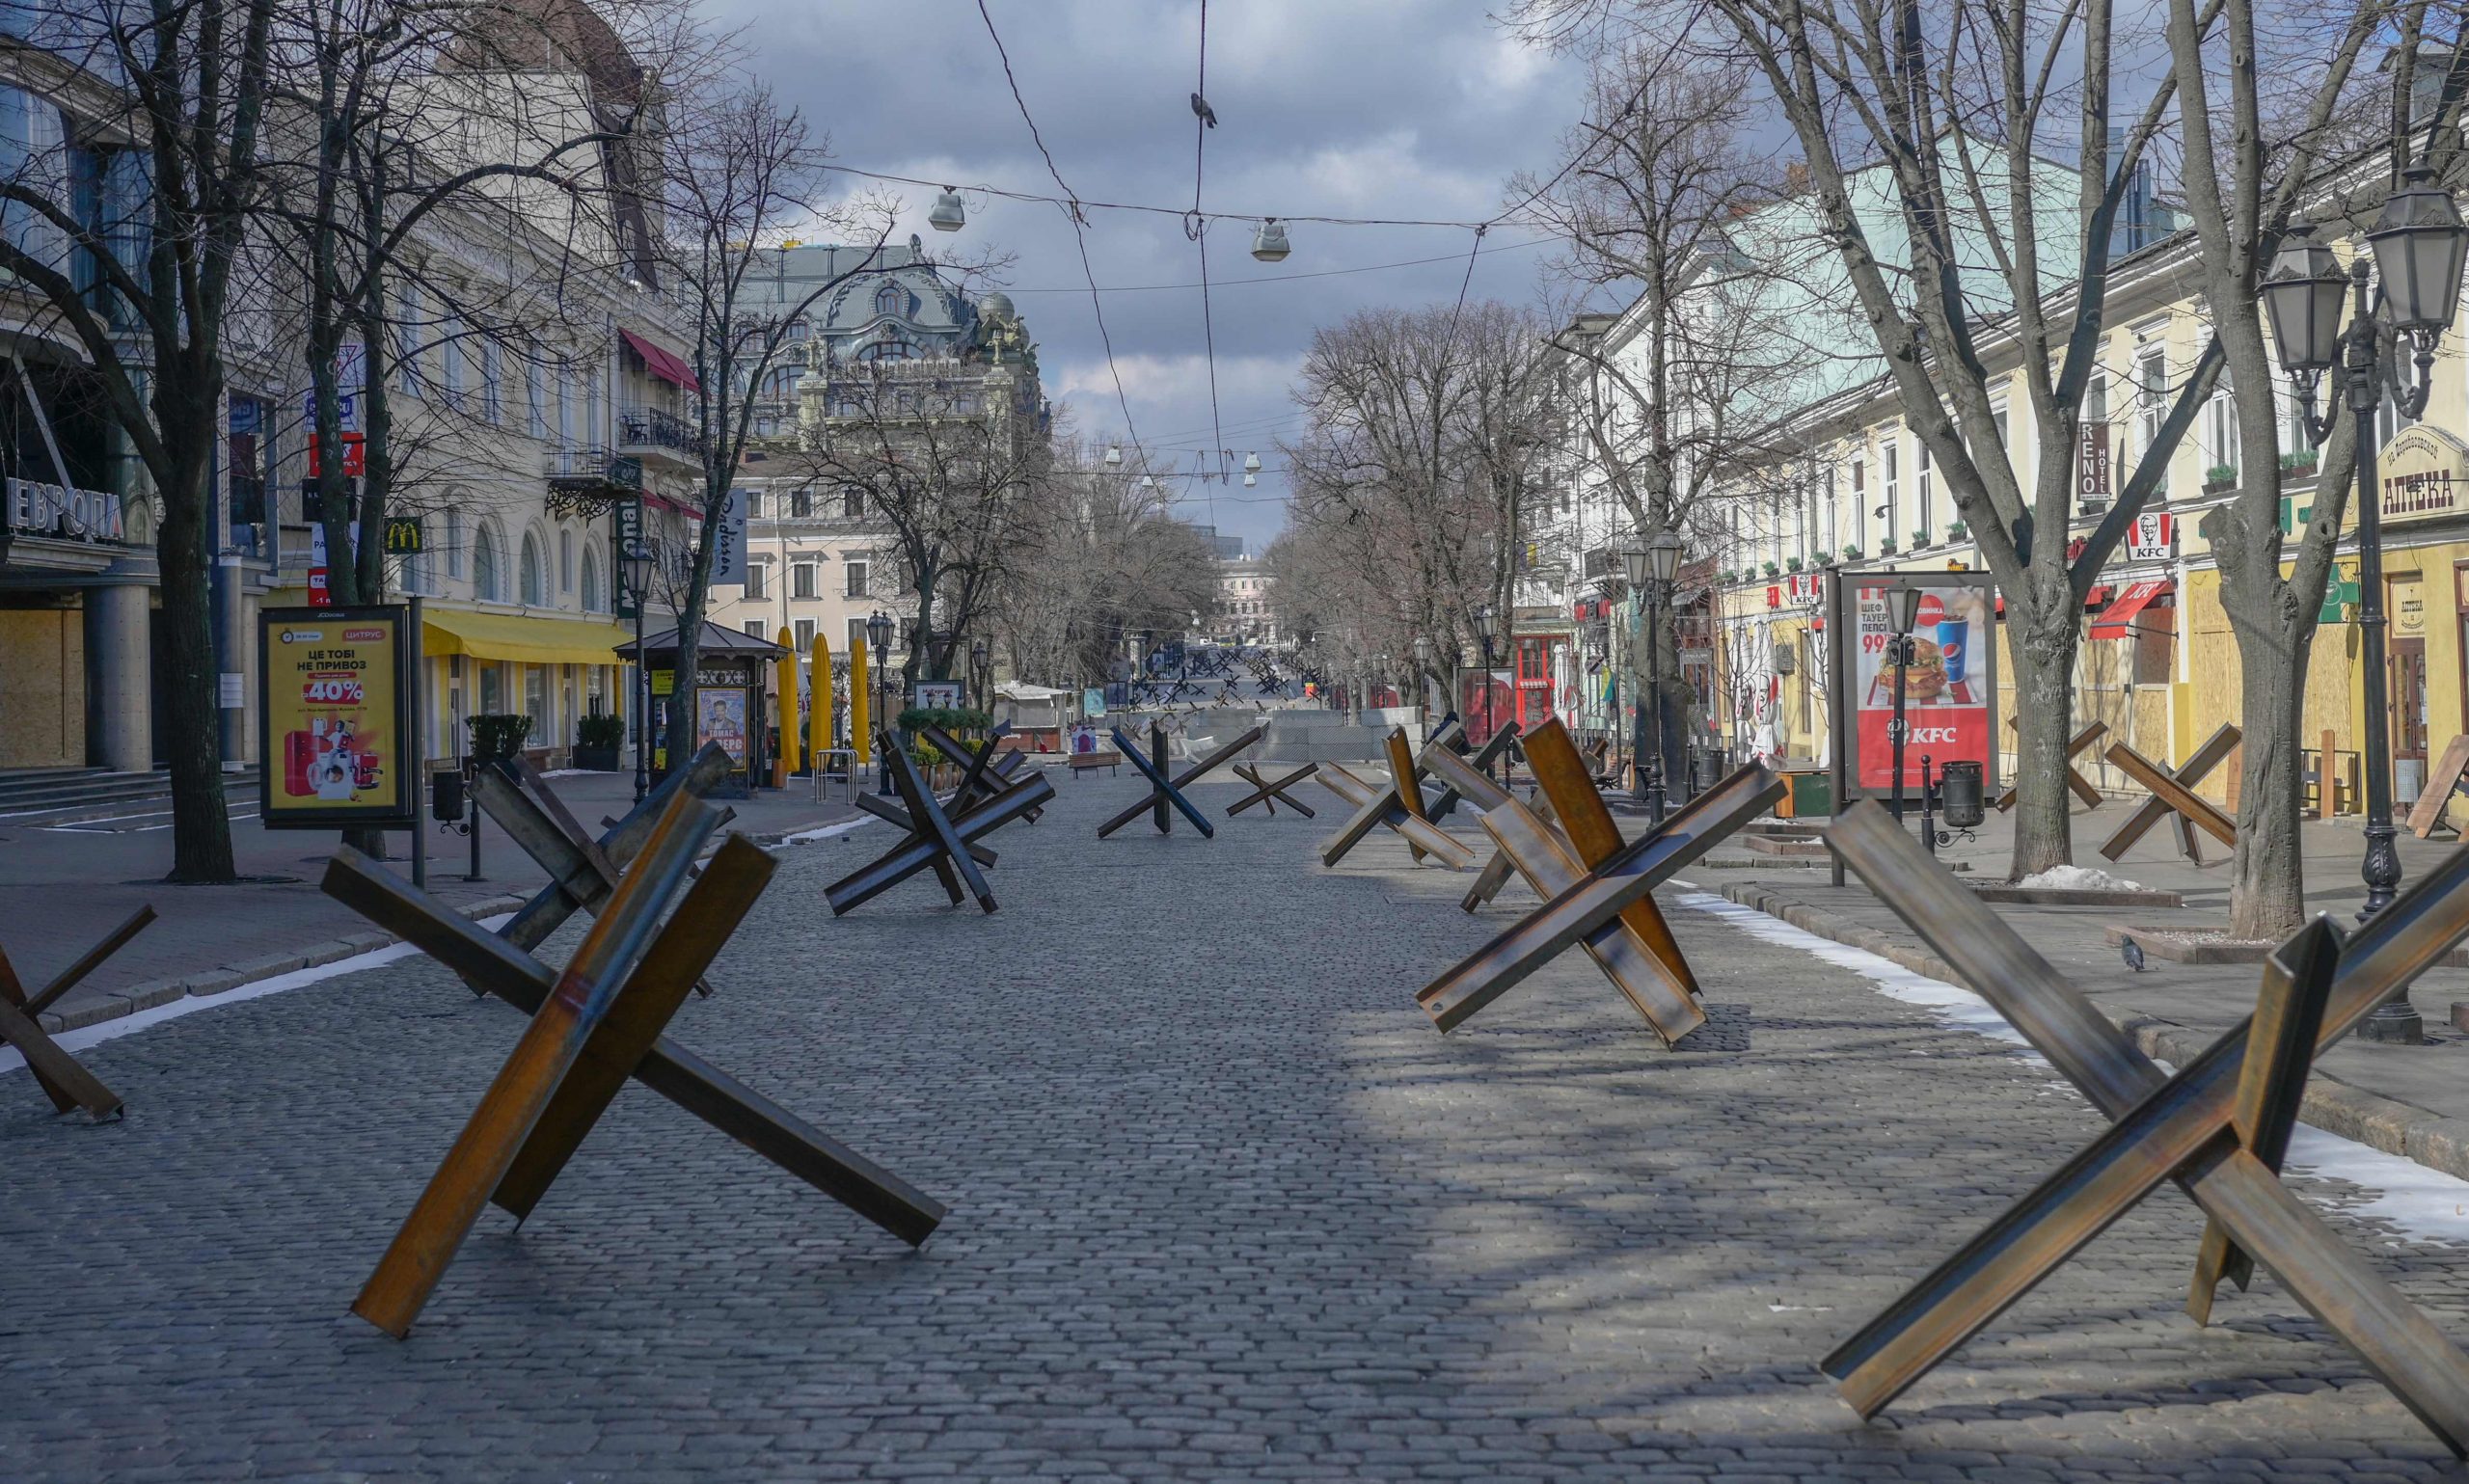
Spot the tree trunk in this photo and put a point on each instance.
(2268, 884)
(2043, 656)
(191, 729)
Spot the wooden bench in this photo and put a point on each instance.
(1091, 762)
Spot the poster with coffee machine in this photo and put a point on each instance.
(1947, 686)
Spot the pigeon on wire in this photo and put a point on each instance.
(1203, 112)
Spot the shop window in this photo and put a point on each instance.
(536, 705)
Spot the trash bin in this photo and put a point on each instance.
(1963, 796)
(1813, 795)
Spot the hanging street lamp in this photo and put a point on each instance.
(2418, 244)
(1268, 242)
(948, 214)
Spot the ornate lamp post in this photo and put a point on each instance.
(1902, 608)
(979, 672)
(878, 634)
(1486, 625)
(1651, 568)
(637, 562)
(1422, 675)
(2417, 243)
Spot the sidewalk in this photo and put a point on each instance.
(63, 887)
(2407, 1101)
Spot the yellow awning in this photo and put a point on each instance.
(532, 638)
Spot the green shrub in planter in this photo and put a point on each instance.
(959, 720)
(1851, 552)
(1791, 564)
(598, 739)
(496, 736)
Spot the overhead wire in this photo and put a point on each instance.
(1199, 230)
(1072, 211)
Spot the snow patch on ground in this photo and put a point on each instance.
(810, 836)
(2425, 1205)
(2078, 878)
(112, 1030)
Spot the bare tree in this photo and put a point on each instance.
(1095, 555)
(945, 457)
(2244, 173)
(1428, 440)
(1963, 108)
(742, 174)
(1665, 401)
(188, 87)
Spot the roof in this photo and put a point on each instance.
(714, 640)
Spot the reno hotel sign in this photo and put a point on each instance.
(60, 511)
(2423, 473)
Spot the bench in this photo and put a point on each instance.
(1091, 762)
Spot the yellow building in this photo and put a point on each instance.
(2158, 663)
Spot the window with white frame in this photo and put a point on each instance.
(2220, 431)
(535, 393)
(565, 562)
(407, 342)
(1924, 487)
(454, 544)
(758, 575)
(592, 602)
(754, 504)
(1891, 504)
(2151, 394)
(857, 587)
(1859, 503)
(487, 565)
(753, 628)
(802, 581)
(534, 578)
(806, 636)
(565, 408)
(450, 357)
(492, 383)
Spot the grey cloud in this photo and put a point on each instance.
(1326, 108)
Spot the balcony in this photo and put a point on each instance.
(655, 433)
(586, 480)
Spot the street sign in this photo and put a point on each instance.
(334, 698)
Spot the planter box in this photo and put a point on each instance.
(598, 759)
(2190, 945)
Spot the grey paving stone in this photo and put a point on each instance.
(1224, 1206)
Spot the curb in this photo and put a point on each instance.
(2430, 1139)
(113, 1004)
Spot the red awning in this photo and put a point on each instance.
(2120, 617)
(660, 364)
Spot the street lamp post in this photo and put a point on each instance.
(1651, 570)
(878, 634)
(1423, 676)
(2418, 242)
(637, 559)
(1486, 625)
(1902, 608)
(980, 674)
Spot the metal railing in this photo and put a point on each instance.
(657, 427)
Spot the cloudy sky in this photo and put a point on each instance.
(1349, 108)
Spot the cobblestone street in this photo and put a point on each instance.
(1224, 1205)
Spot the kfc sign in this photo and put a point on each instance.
(2152, 538)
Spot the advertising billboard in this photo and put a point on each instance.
(333, 712)
(1947, 686)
